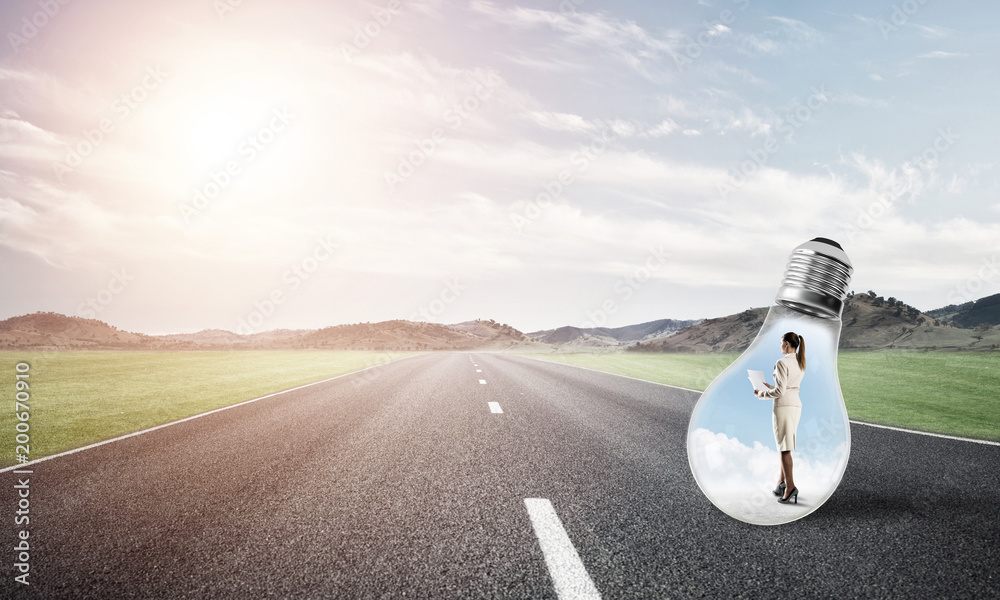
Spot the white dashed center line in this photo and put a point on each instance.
(482, 381)
(495, 407)
(479, 370)
(569, 576)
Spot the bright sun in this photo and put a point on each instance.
(210, 107)
(227, 108)
(216, 125)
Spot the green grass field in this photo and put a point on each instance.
(79, 398)
(955, 393)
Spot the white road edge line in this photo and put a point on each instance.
(569, 576)
(677, 387)
(495, 407)
(552, 362)
(214, 410)
(939, 435)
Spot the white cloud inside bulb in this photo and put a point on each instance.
(725, 465)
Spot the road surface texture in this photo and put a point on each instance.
(454, 475)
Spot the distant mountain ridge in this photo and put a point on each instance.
(222, 337)
(613, 336)
(54, 331)
(971, 314)
(870, 322)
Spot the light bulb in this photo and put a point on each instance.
(730, 441)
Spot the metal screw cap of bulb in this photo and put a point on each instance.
(816, 279)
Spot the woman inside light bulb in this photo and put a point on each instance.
(787, 408)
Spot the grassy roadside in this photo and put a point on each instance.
(692, 371)
(79, 398)
(955, 393)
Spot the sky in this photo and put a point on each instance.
(245, 164)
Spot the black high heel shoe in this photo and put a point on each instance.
(780, 490)
(792, 494)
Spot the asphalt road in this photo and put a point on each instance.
(402, 483)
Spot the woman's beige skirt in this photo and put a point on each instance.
(786, 421)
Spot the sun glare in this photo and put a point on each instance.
(217, 126)
(211, 107)
(234, 121)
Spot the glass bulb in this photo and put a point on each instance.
(730, 441)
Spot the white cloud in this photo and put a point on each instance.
(978, 168)
(956, 185)
(723, 71)
(738, 478)
(562, 122)
(666, 127)
(7, 74)
(797, 30)
(943, 54)
(758, 44)
(900, 182)
(630, 43)
(855, 99)
(545, 63)
(750, 122)
(20, 139)
(969, 177)
(871, 22)
(617, 128)
(789, 35)
(933, 33)
(622, 128)
(675, 106)
(721, 113)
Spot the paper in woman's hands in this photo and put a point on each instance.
(757, 379)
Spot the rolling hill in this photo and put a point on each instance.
(409, 335)
(616, 336)
(53, 331)
(50, 330)
(971, 314)
(222, 338)
(870, 322)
